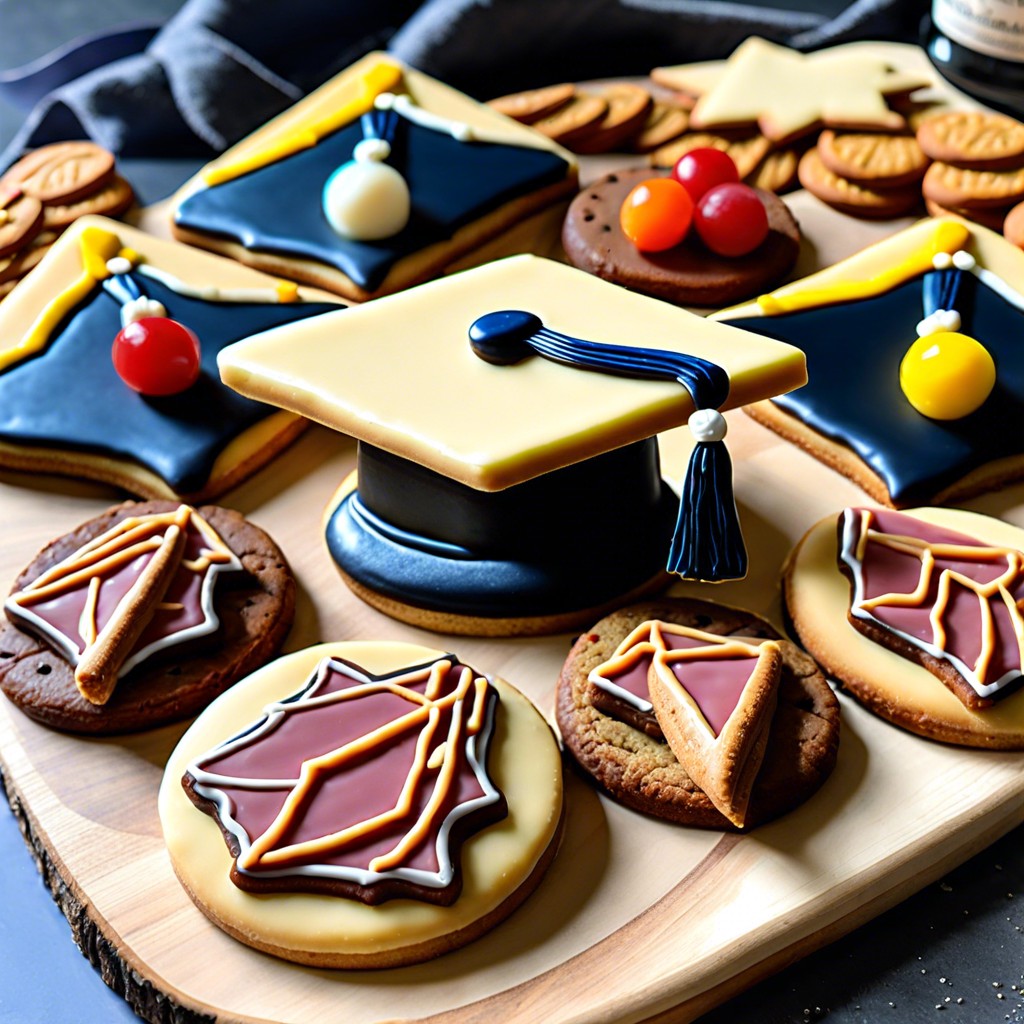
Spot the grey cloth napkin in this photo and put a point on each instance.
(220, 68)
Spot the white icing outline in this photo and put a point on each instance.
(848, 555)
(476, 746)
(213, 293)
(412, 111)
(618, 691)
(209, 624)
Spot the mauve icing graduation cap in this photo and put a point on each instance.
(508, 468)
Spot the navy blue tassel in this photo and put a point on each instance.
(707, 544)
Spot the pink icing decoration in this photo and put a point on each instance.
(715, 684)
(355, 792)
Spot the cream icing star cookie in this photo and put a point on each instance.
(789, 93)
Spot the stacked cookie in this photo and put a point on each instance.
(865, 174)
(46, 191)
(965, 162)
(978, 168)
(621, 117)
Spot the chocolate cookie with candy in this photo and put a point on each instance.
(697, 237)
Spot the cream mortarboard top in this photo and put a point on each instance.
(499, 493)
(400, 374)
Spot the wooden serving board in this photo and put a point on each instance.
(638, 920)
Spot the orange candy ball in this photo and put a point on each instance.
(656, 214)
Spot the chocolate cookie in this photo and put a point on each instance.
(254, 605)
(688, 274)
(640, 770)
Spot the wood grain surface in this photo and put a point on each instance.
(637, 920)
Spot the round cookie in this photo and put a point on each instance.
(849, 197)
(500, 864)
(574, 121)
(978, 139)
(255, 608)
(642, 772)
(688, 274)
(872, 158)
(817, 600)
(665, 121)
(776, 172)
(533, 104)
(1013, 226)
(627, 111)
(20, 221)
(952, 187)
(63, 172)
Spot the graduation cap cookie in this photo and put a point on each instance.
(149, 413)
(508, 469)
(916, 372)
(387, 176)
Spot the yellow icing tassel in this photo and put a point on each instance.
(382, 77)
(97, 246)
(947, 236)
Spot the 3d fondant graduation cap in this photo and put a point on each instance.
(508, 468)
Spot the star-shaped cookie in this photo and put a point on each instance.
(787, 93)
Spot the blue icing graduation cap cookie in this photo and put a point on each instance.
(507, 418)
(916, 371)
(387, 177)
(65, 408)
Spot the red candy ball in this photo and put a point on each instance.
(656, 214)
(156, 356)
(702, 169)
(731, 220)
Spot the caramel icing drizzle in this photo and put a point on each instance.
(651, 642)
(142, 586)
(936, 583)
(442, 710)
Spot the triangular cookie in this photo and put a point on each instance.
(714, 699)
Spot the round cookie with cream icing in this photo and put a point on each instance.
(141, 615)
(697, 713)
(276, 835)
(917, 615)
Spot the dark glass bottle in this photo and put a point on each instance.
(979, 46)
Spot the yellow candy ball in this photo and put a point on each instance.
(947, 375)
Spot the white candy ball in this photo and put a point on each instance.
(707, 425)
(365, 200)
